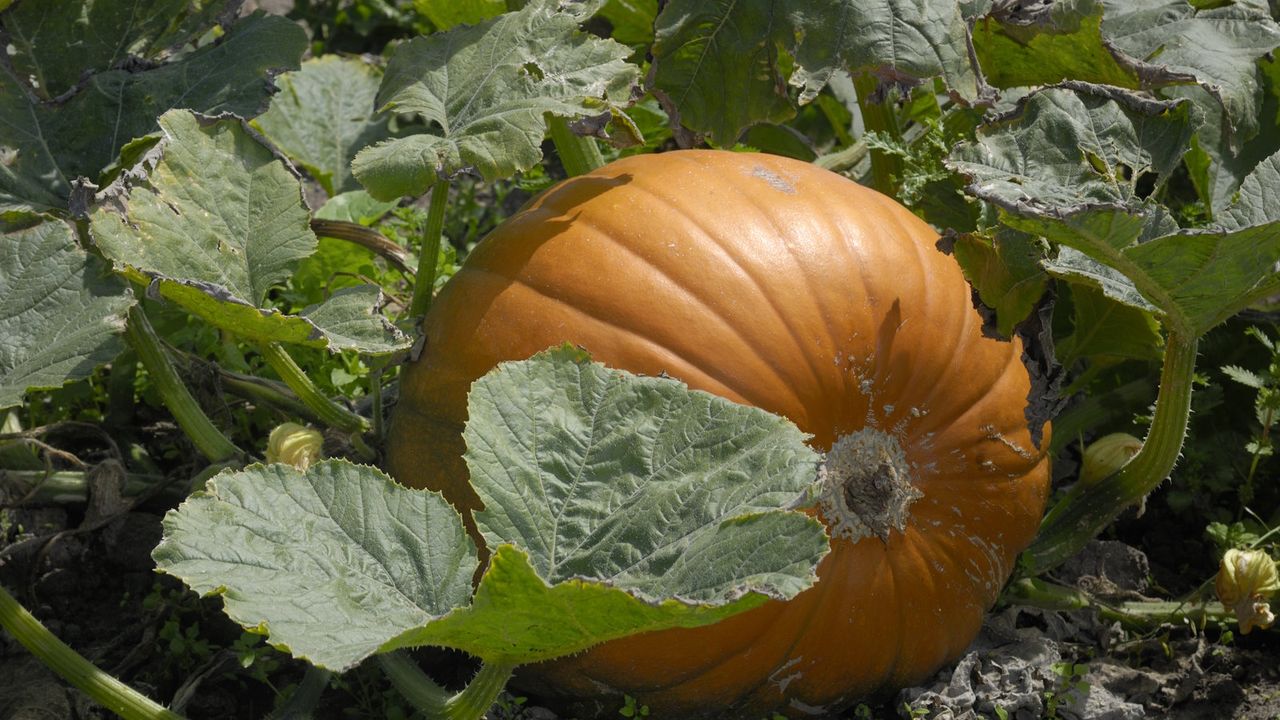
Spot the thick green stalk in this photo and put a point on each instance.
(74, 668)
(878, 115)
(578, 154)
(429, 254)
(1133, 614)
(434, 701)
(328, 411)
(207, 438)
(72, 486)
(1087, 509)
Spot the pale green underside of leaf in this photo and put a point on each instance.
(61, 312)
(516, 618)
(330, 564)
(216, 223)
(54, 144)
(485, 89)
(323, 115)
(1195, 279)
(718, 61)
(103, 33)
(640, 482)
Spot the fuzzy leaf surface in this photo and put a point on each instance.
(485, 88)
(212, 220)
(1066, 166)
(330, 564)
(55, 143)
(718, 61)
(61, 311)
(323, 115)
(638, 505)
(1217, 47)
(1066, 149)
(103, 33)
(1258, 200)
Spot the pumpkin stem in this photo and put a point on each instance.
(208, 439)
(1087, 508)
(424, 283)
(866, 486)
(98, 684)
(434, 701)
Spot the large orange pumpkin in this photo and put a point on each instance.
(777, 284)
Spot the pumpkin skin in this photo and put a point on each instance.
(773, 283)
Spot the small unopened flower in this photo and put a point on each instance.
(295, 445)
(1246, 581)
(1106, 455)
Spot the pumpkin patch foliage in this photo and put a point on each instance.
(600, 358)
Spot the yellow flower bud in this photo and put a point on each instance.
(295, 445)
(1246, 581)
(1107, 455)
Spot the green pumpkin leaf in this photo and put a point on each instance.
(616, 504)
(1005, 269)
(51, 144)
(625, 494)
(445, 14)
(485, 89)
(1044, 43)
(1216, 47)
(212, 220)
(1066, 166)
(1063, 150)
(1258, 199)
(330, 563)
(1103, 328)
(323, 115)
(718, 62)
(61, 311)
(103, 33)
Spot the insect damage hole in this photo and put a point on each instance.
(866, 486)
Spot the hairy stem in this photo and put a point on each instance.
(579, 155)
(470, 704)
(429, 254)
(1132, 614)
(328, 411)
(106, 690)
(1087, 509)
(207, 438)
